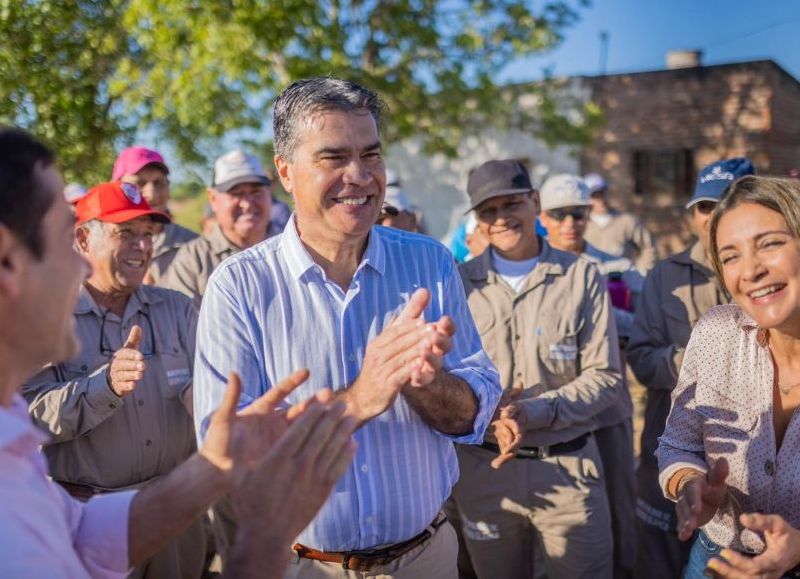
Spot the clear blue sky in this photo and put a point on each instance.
(641, 32)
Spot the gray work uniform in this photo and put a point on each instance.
(195, 262)
(103, 442)
(624, 236)
(615, 429)
(557, 338)
(165, 247)
(677, 292)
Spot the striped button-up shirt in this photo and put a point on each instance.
(270, 310)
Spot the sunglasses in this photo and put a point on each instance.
(105, 350)
(577, 213)
(705, 207)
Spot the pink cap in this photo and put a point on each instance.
(133, 159)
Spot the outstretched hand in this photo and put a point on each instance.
(781, 554)
(700, 499)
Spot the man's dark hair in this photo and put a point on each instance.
(23, 202)
(305, 98)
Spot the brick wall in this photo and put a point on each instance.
(744, 109)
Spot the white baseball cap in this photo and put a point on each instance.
(563, 191)
(237, 167)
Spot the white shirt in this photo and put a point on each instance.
(513, 272)
(270, 309)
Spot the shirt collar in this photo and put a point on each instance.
(550, 262)
(142, 295)
(220, 244)
(17, 432)
(299, 261)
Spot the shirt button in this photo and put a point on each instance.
(369, 520)
(769, 467)
(148, 442)
(84, 368)
(364, 468)
(352, 357)
(140, 402)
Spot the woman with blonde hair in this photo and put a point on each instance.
(732, 445)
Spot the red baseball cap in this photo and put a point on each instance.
(115, 203)
(134, 159)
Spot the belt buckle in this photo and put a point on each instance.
(346, 560)
(544, 452)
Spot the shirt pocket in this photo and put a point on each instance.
(177, 373)
(728, 426)
(560, 354)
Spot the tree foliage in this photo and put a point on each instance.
(86, 75)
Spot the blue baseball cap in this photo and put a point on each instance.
(715, 178)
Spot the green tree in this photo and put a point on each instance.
(85, 75)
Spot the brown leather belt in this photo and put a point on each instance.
(364, 561)
(540, 452)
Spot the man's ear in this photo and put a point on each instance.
(14, 257)
(82, 239)
(285, 173)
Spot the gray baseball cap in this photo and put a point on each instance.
(497, 178)
(563, 191)
(237, 167)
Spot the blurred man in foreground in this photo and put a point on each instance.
(46, 533)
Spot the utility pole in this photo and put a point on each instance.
(603, 51)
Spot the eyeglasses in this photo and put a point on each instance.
(107, 351)
(577, 213)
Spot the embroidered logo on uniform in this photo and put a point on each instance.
(480, 530)
(178, 376)
(563, 351)
(132, 193)
(538, 331)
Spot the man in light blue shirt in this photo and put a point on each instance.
(377, 314)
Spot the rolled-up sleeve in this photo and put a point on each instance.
(681, 446)
(467, 360)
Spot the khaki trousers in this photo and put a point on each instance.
(182, 558)
(556, 505)
(615, 444)
(660, 555)
(433, 559)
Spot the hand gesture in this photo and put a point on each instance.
(127, 365)
(508, 428)
(781, 554)
(237, 442)
(389, 361)
(435, 345)
(296, 477)
(700, 498)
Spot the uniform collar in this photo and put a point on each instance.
(144, 294)
(299, 261)
(551, 262)
(220, 244)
